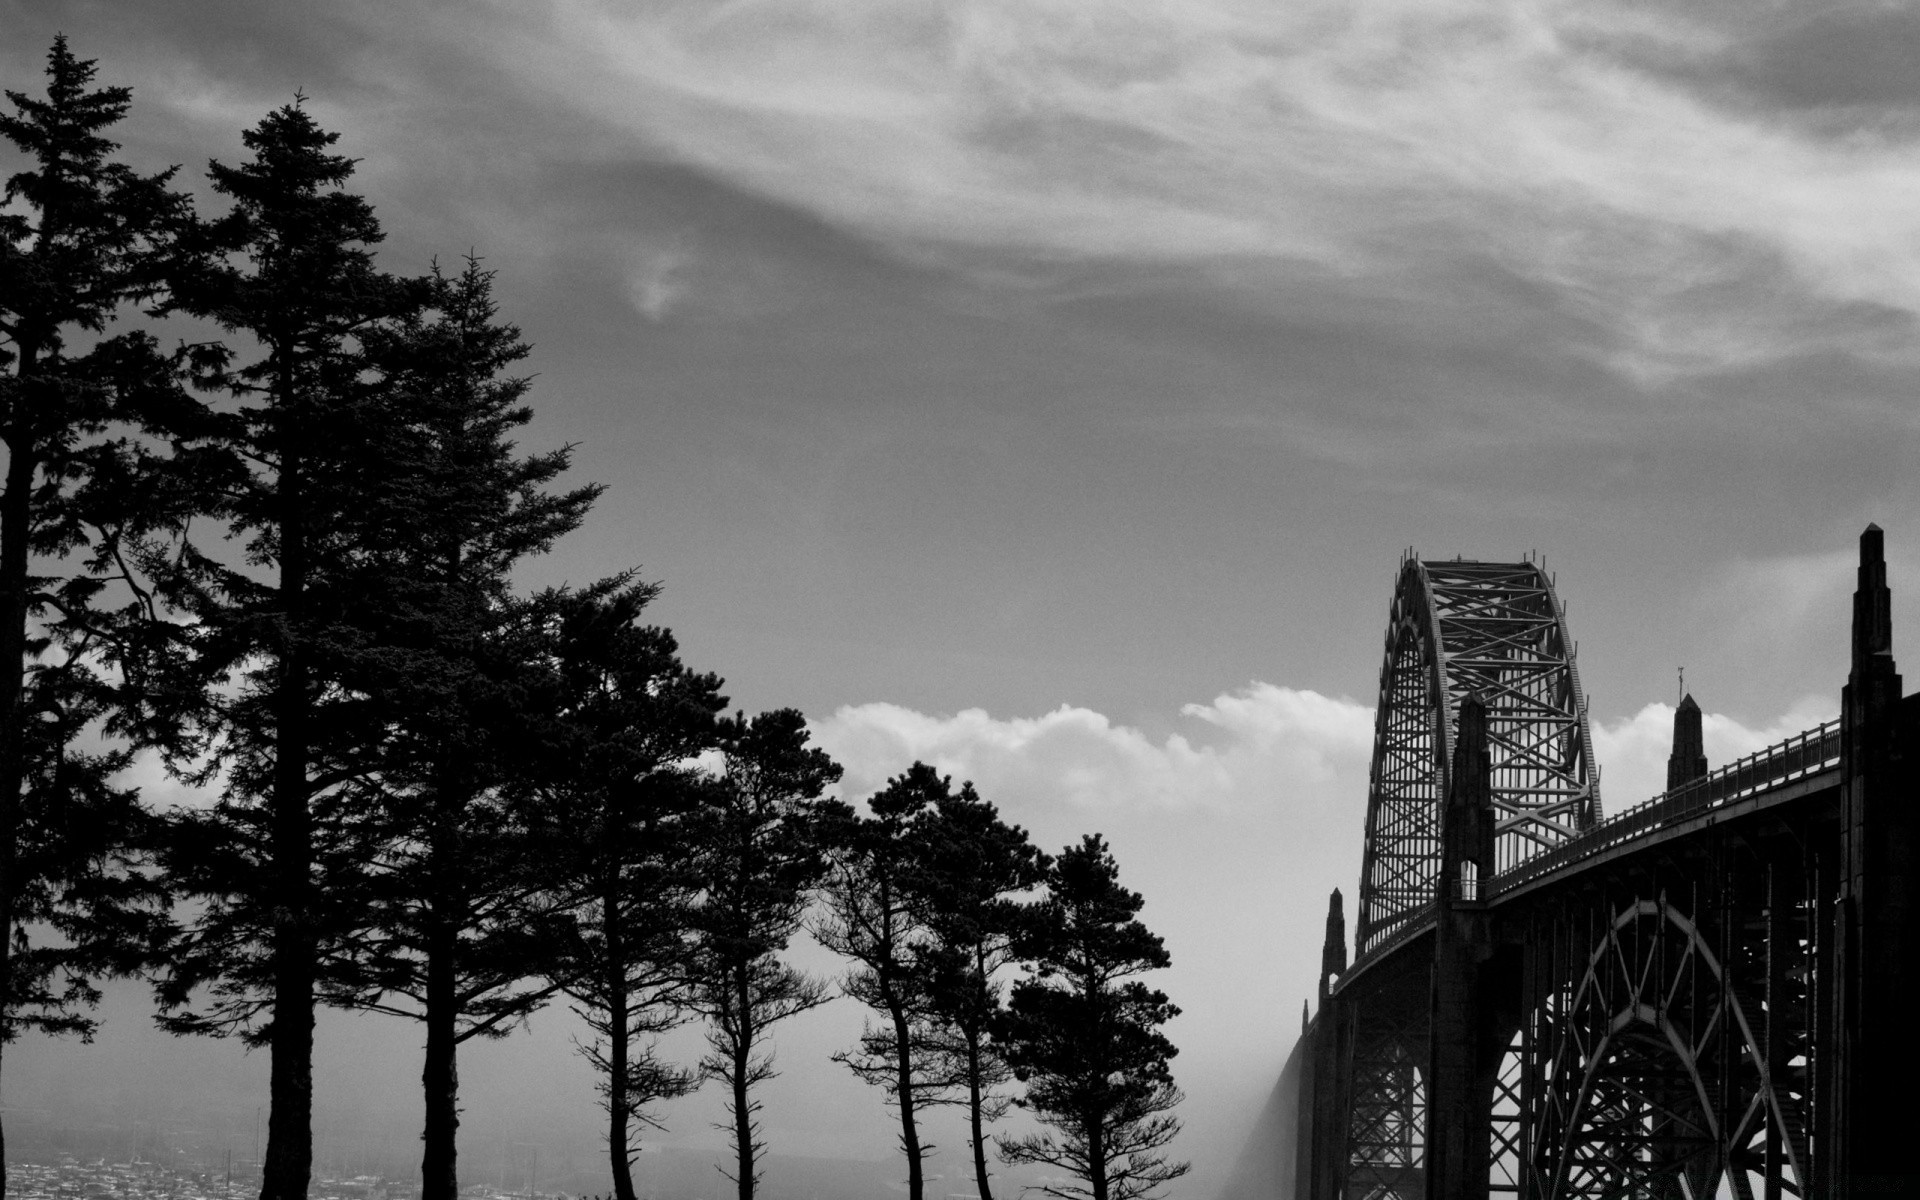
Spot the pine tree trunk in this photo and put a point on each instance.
(1096, 1155)
(619, 1103)
(742, 1129)
(619, 1115)
(289, 1165)
(16, 514)
(976, 1124)
(903, 1087)
(742, 1064)
(440, 1078)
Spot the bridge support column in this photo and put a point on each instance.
(1873, 1101)
(1463, 1057)
(1321, 1166)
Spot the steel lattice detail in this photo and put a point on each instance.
(1649, 1071)
(1457, 628)
(1387, 1117)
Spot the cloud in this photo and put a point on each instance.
(1643, 180)
(1253, 744)
(1856, 56)
(1397, 138)
(657, 282)
(1633, 750)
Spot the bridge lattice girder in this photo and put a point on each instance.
(1455, 628)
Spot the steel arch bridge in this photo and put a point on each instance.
(1712, 993)
(1460, 629)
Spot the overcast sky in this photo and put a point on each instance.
(1048, 388)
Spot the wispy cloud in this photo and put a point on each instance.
(657, 281)
(1398, 136)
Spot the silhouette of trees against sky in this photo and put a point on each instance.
(978, 869)
(620, 807)
(280, 558)
(759, 857)
(924, 897)
(1084, 1035)
(871, 913)
(82, 239)
(299, 445)
(462, 915)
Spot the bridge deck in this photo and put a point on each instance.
(1804, 763)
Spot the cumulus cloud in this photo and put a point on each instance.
(1254, 744)
(1392, 137)
(1257, 747)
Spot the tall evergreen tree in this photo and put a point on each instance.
(871, 912)
(977, 868)
(461, 933)
(623, 807)
(758, 857)
(82, 238)
(290, 470)
(1084, 1035)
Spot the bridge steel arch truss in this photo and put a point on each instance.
(1667, 1045)
(1711, 994)
(1458, 628)
(1648, 1027)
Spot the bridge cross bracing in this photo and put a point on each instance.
(1498, 631)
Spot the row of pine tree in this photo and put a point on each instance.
(278, 555)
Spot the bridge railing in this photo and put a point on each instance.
(1802, 754)
(1383, 941)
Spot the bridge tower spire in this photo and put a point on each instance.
(1879, 913)
(1333, 951)
(1688, 761)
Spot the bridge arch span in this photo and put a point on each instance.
(1458, 628)
(1650, 1072)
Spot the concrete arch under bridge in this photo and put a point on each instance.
(1709, 993)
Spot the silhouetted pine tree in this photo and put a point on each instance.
(1084, 1036)
(275, 630)
(461, 932)
(622, 808)
(757, 858)
(82, 238)
(871, 911)
(977, 867)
